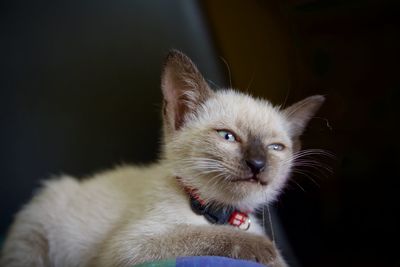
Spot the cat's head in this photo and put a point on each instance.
(234, 149)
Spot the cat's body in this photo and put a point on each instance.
(234, 150)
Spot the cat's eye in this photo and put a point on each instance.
(227, 135)
(276, 147)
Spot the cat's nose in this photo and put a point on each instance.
(256, 165)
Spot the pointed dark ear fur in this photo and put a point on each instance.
(183, 87)
(300, 113)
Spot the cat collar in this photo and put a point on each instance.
(217, 214)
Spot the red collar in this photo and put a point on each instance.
(216, 214)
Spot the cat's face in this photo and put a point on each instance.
(232, 148)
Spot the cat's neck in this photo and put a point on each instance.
(215, 213)
(194, 193)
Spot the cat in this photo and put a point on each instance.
(224, 155)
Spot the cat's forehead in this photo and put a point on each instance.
(246, 114)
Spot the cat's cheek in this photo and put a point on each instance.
(229, 153)
(225, 145)
(280, 178)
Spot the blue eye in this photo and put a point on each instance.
(276, 147)
(227, 135)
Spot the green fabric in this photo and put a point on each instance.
(163, 263)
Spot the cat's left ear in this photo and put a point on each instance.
(184, 89)
(300, 113)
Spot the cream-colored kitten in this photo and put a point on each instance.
(225, 154)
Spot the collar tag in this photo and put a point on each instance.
(240, 220)
(224, 215)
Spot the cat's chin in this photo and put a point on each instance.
(250, 180)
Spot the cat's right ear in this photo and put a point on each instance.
(184, 89)
(300, 113)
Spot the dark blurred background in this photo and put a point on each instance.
(79, 92)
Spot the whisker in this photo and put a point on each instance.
(251, 82)
(270, 224)
(229, 70)
(307, 176)
(291, 180)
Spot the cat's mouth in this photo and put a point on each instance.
(251, 179)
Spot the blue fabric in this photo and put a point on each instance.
(201, 261)
(214, 261)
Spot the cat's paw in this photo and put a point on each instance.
(255, 248)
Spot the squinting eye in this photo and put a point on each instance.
(227, 135)
(276, 147)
